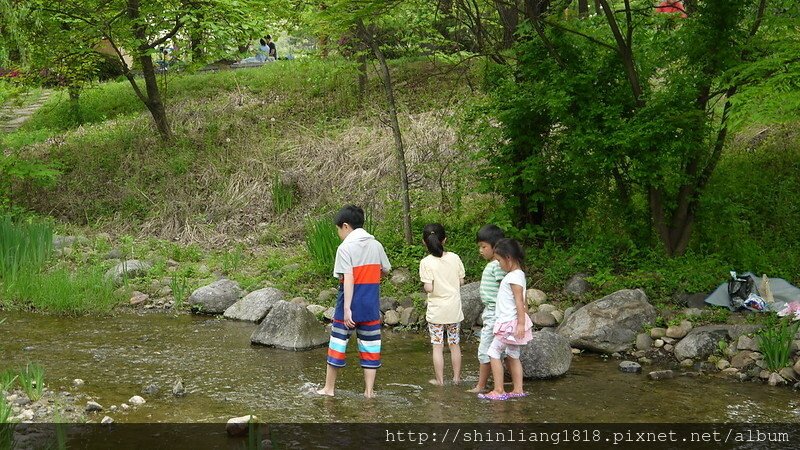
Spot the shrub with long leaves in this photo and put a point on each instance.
(775, 341)
(32, 381)
(7, 379)
(321, 241)
(23, 246)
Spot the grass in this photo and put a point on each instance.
(7, 379)
(24, 247)
(321, 241)
(62, 291)
(775, 341)
(180, 290)
(32, 381)
(282, 195)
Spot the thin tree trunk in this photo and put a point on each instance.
(509, 18)
(75, 103)
(386, 78)
(362, 75)
(583, 8)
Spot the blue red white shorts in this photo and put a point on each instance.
(368, 336)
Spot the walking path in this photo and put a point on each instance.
(12, 117)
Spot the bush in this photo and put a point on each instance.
(775, 341)
(321, 241)
(24, 247)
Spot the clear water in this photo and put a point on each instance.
(226, 377)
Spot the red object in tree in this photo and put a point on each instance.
(672, 6)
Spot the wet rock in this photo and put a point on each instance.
(658, 333)
(775, 379)
(136, 400)
(661, 374)
(730, 371)
(743, 360)
(609, 324)
(543, 319)
(764, 374)
(254, 306)
(128, 269)
(107, 420)
(316, 310)
(216, 297)
(471, 304)
(535, 297)
(577, 285)
(290, 327)
(299, 301)
(630, 367)
(391, 318)
(401, 275)
(388, 304)
(93, 407)
(787, 373)
(723, 364)
(150, 389)
(328, 314)
(679, 331)
(409, 316)
(238, 426)
(746, 343)
(178, 389)
(547, 355)
(643, 341)
(700, 343)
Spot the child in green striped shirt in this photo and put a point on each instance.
(492, 275)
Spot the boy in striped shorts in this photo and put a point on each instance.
(360, 262)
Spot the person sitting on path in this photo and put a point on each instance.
(360, 262)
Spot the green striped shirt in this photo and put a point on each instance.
(490, 283)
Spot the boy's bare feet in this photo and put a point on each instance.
(477, 390)
(323, 391)
(456, 382)
(436, 382)
(369, 394)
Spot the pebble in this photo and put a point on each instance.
(136, 400)
(93, 407)
(630, 367)
(125, 406)
(658, 343)
(77, 382)
(107, 420)
(576, 351)
(150, 389)
(178, 390)
(661, 374)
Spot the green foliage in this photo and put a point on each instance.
(321, 241)
(180, 290)
(7, 379)
(282, 195)
(61, 291)
(16, 170)
(775, 341)
(24, 247)
(32, 381)
(232, 260)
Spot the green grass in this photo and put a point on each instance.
(321, 241)
(31, 380)
(7, 379)
(24, 247)
(282, 195)
(62, 291)
(775, 341)
(180, 290)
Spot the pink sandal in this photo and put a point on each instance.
(493, 396)
(517, 394)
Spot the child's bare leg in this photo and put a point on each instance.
(330, 381)
(497, 375)
(455, 358)
(438, 364)
(369, 382)
(483, 377)
(515, 367)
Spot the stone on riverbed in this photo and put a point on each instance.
(128, 269)
(178, 389)
(700, 343)
(93, 407)
(609, 324)
(216, 297)
(547, 355)
(471, 304)
(255, 305)
(238, 426)
(136, 400)
(661, 374)
(290, 327)
(630, 367)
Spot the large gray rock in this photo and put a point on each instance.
(700, 343)
(610, 324)
(128, 269)
(577, 285)
(471, 304)
(290, 327)
(216, 297)
(547, 355)
(543, 319)
(388, 304)
(255, 305)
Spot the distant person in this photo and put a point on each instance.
(512, 327)
(360, 262)
(442, 274)
(272, 53)
(263, 50)
(491, 277)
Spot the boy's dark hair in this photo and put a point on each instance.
(490, 234)
(351, 214)
(268, 37)
(510, 248)
(433, 235)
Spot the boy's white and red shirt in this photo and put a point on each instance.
(363, 256)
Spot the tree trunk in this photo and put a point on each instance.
(400, 154)
(74, 103)
(583, 8)
(362, 75)
(509, 18)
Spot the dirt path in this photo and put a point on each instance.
(12, 117)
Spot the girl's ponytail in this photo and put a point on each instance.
(433, 236)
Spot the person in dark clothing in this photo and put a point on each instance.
(273, 52)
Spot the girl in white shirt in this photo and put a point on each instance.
(512, 328)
